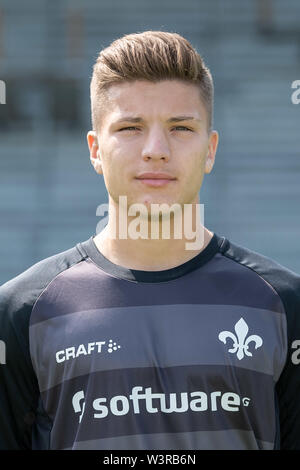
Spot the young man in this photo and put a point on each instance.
(140, 343)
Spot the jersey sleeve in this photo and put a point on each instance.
(288, 385)
(18, 384)
(23, 422)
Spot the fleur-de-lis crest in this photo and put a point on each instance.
(240, 343)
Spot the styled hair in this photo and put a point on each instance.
(152, 56)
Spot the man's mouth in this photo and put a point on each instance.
(155, 179)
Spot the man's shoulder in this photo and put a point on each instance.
(282, 279)
(23, 290)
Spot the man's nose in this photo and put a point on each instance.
(156, 146)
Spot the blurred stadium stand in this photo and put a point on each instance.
(49, 191)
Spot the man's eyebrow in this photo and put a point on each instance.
(129, 119)
(172, 119)
(183, 118)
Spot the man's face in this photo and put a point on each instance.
(122, 150)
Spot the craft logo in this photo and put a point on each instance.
(85, 350)
(2, 352)
(2, 92)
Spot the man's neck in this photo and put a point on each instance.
(147, 254)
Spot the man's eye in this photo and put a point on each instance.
(137, 128)
(182, 127)
(126, 128)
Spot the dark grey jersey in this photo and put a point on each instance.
(205, 355)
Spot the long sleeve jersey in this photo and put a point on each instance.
(205, 355)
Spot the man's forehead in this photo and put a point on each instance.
(128, 101)
(119, 91)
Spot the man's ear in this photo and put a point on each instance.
(212, 149)
(95, 157)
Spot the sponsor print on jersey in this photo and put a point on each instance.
(86, 349)
(140, 401)
(185, 399)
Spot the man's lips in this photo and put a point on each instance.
(152, 175)
(155, 182)
(155, 179)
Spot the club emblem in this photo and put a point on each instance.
(240, 340)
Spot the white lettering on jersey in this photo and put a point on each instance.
(139, 401)
(85, 350)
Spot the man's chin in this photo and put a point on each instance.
(147, 204)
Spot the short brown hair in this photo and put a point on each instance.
(152, 56)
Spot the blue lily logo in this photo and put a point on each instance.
(240, 340)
